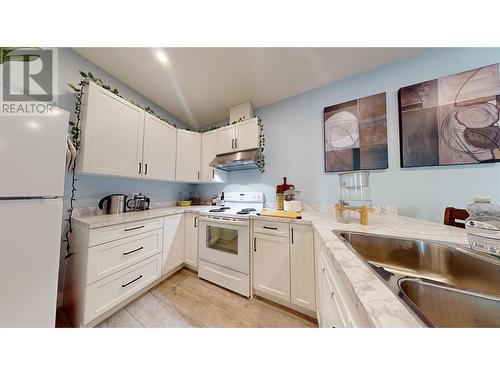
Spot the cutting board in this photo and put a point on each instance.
(280, 213)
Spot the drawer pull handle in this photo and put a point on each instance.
(134, 228)
(272, 228)
(130, 282)
(133, 251)
(333, 294)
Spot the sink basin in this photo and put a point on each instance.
(442, 306)
(443, 285)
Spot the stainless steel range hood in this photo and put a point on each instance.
(237, 161)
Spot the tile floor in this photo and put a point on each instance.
(184, 300)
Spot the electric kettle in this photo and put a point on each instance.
(115, 203)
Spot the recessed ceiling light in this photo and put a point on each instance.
(162, 57)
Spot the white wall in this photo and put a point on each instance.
(294, 142)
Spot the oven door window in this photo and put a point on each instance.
(222, 239)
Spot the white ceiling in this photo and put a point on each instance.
(199, 85)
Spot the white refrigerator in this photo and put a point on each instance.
(32, 169)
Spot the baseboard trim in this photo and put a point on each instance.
(311, 315)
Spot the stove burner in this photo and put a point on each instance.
(245, 211)
(220, 209)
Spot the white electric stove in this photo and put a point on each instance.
(224, 241)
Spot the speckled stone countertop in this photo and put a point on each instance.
(382, 306)
(97, 221)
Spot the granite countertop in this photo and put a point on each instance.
(97, 221)
(383, 307)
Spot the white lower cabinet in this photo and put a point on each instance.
(336, 302)
(108, 258)
(191, 240)
(173, 242)
(110, 291)
(113, 264)
(302, 266)
(110, 265)
(271, 265)
(283, 264)
(330, 311)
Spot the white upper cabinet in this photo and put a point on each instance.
(238, 137)
(225, 139)
(247, 135)
(160, 143)
(111, 135)
(188, 156)
(208, 153)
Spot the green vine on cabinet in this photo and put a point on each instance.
(261, 163)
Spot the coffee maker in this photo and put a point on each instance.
(139, 202)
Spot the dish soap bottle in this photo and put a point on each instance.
(483, 226)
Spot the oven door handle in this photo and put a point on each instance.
(243, 223)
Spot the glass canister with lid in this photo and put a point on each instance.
(291, 200)
(355, 189)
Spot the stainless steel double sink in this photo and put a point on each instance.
(445, 286)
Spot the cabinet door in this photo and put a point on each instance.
(330, 315)
(302, 266)
(191, 240)
(112, 135)
(208, 153)
(173, 242)
(188, 156)
(271, 265)
(159, 149)
(247, 135)
(225, 139)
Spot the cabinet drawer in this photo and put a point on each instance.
(334, 305)
(275, 228)
(116, 232)
(111, 257)
(110, 291)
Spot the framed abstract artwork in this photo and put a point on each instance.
(355, 134)
(451, 120)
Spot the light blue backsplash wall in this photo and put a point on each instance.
(294, 143)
